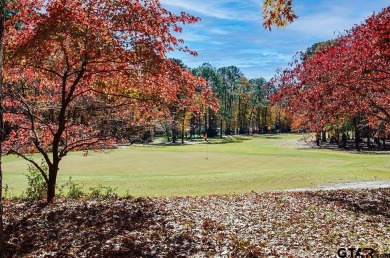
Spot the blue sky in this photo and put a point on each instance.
(230, 31)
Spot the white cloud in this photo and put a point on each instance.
(215, 9)
(217, 42)
(322, 25)
(192, 36)
(327, 19)
(231, 33)
(219, 31)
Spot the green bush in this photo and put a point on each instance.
(128, 196)
(37, 188)
(37, 185)
(75, 190)
(8, 192)
(102, 192)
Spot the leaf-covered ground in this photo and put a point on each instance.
(295, 224)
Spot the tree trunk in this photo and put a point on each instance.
(357, 139)
(257, 121)
(265, 120)
(221, 127)
(211, 129)
(344, 140)
(182, 130)
(382, 135)
(245, 124)
(51, 185)
(368, 137)
(205, 122)
(199, 125)
(239, 117)
(230, 112)
(225, 115)
(357, 133)
(250, 119)
(174, 136)
(279, 120)
(323, 136)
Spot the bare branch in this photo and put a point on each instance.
(32, 162)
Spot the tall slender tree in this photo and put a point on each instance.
(210, 74)
(231, 80)
(258, 97)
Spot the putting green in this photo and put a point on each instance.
(242, 164)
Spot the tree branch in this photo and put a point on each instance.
(12, 151)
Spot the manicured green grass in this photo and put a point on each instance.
(238, 165)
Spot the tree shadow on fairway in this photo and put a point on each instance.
(215, 140)
(370, 202)
(270, 136)
(227, 140)
(350, 147)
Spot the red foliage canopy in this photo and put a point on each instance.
(78, 71)
(347, 79)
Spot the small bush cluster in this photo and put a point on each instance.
(37, 188)
(75, 190)
(37, 185)
(102, 192)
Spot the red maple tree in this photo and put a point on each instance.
(347, 80)
(82, 74)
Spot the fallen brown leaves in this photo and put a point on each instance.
(292, 224)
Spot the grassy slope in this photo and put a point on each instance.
(258, 163)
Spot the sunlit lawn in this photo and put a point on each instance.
(258, 163)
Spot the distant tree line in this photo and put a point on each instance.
(244, 107)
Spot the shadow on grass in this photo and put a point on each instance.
(217, 140)
(273, 137)
(230, 139)
(225, 141)
(350, 148)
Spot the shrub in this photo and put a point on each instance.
(74, 190)
(37, 185)
(102, 192)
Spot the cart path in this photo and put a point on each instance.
(348, 185)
